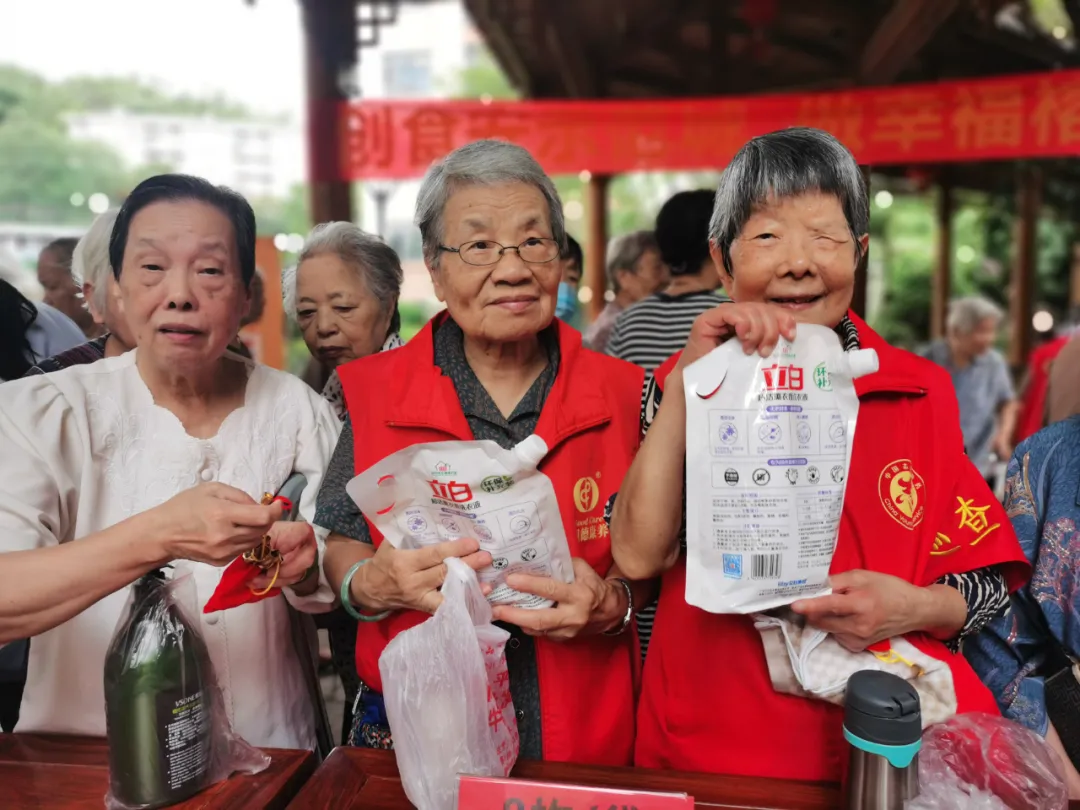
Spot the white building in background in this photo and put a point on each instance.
(256, 158)
(421, 55)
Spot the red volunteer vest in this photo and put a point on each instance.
(1032, 415)
(915, 507)
(591, 423)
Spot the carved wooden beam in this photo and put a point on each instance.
(554, 18)
(900, 35)
(490, 17)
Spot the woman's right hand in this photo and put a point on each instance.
(410, 579)
(758, 327)
(214, 523)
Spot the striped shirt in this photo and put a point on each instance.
(653, 329)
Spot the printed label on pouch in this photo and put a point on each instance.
(768, 449)
(432, 493)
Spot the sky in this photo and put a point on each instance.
(250, 53)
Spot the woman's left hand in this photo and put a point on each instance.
(866, 607)
(590, 605)
(295, 541)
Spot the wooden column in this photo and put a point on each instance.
(596, 241)
(941, 284)
(1029, 199)
(330, 49)
(858, 296)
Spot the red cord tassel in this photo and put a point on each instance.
(234, 588)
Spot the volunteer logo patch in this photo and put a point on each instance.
(901, 490)
(586, 494)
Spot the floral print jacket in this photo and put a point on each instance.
(1042, 498)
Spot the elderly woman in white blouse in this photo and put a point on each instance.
(159, 456)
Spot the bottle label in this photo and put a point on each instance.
(185, 738)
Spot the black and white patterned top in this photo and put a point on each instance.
(332, 391)
(336, 511)
(984, 590)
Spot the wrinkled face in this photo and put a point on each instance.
(797, 253)
(181, 286)
(61, 292)
(980, 340)
(648, 276)
(511, 300)
(339, 318)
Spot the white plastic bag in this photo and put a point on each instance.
(447, 694)
(430, 493)
(169, 732)
(982, 761)
(767, 453)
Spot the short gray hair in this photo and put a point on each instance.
(481, 163)
(373, 261)
(625, 251)
(965, 314)
(90, 259)
(785, 164)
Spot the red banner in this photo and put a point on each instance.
(1034, 115)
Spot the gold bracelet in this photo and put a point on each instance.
(268, 588)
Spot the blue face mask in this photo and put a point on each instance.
(566, 305)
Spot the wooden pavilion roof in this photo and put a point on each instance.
(672, 48)
(666, 48)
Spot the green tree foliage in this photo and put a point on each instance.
(43, 166)
(291, 214)
(903, 240)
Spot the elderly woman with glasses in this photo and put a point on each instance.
(924, 550)
(498, 366)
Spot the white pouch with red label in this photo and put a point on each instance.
(768, 445)
(431, 493)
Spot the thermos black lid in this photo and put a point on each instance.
(882, 708)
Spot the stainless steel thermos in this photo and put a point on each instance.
(883, 728)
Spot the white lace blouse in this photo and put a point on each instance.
(84, 448)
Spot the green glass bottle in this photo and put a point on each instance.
(157, 706)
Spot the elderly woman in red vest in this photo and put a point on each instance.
(497, 365)
(788, 232)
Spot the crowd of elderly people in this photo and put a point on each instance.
(154, 443)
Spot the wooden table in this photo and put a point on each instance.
(363, 778)
(40, 772)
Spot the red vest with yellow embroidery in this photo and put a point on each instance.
(915, 507)
(591, 424)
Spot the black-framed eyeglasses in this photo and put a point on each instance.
(481, 252)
